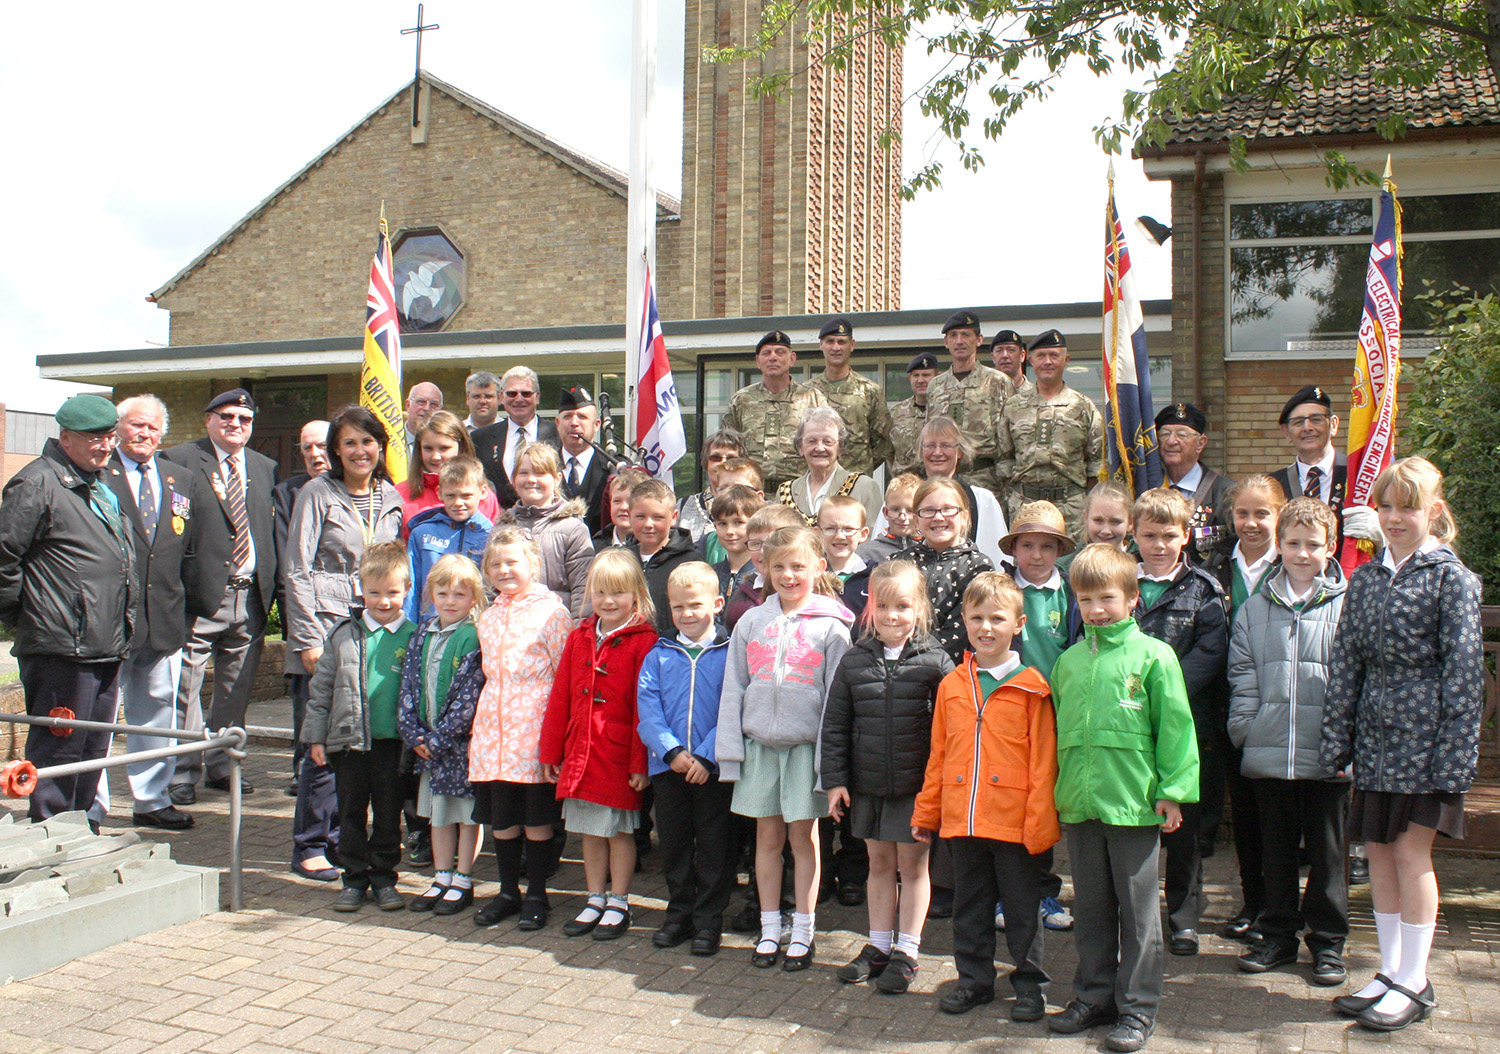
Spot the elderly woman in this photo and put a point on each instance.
(555, 525)
(441, 439)
(352, 505)
(820, 438)
(944, 450)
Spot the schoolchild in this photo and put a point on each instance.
(841, 522)
(678, 703)
(351, 726)
(1127, 758)
(1279, 656)
(896, 530)
(1404, 705)
(659, 542)
(455, 526)
(521, 639)
(947, 557)
(616, 533)
(589, 745)
(751, 590)
(440, 684)
(782, 657)
(731, 512)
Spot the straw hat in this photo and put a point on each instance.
(1039, 517)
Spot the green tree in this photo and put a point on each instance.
(1011, 53)
(1452, 416)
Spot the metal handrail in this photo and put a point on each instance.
(232, 740)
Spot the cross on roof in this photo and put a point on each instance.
(416, 87)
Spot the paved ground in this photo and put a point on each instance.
(288, 974)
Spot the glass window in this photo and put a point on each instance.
(1450, 212)
(1300, 219)
(429, 280)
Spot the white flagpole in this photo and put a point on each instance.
(640, 241)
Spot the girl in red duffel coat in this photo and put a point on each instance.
(590, 746)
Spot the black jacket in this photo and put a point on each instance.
(210, 570)
(283, 501)
(489, 447)
(67, 581)
(877, 723)
(161, 618)
(678, 550)
(1290, 481)
(591, 488)
(1191, 617)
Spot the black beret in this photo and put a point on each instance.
(87, 413)
(774, 337)
(1310, 394)
(925, 361)
(234, 397)
(1008, 336)
(1050, 339)
(962, 320)
(1183, 414)
(573, 398)
(837, 326)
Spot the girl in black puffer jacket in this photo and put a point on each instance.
(877, 730)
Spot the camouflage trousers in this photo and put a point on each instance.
(1068, 497)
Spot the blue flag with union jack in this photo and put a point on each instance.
(1129, 420)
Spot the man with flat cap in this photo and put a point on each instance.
(909, 415)
(767, 412)
(859, 400)
(233, 582)
(972, 394)
(68, 592)
(1008, 353)
(585, 470)
(1180, 440)
(1051, 437)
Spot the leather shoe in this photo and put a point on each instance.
(453, 905)
(317, 874)
(765, 960)
(168, 819)
(961, 1000)
(941, 904)
(1029, 1006)
(1130, 1033)
(222, 784)
(671, 935)
(1354, 1005)
(1079, 1016)
(349, 899)
(851, 893)
(1420, 1008)
(1328, 968)
(497, 910)
(868, 964)
(793, 963)
(1239, 927)
(534, 912)
(388, 899)
(705, 942)
(1183, 942)
(1266, 955)
(183, 794)
(608, 931)
(898, 974)
(429, 899)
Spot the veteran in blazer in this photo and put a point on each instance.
(497, 445)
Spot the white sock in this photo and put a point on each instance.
(615, 910)
(883, 939)
(1388, 933)
(1416, 945)
(456, 888)
(463, 881)
(908, 943)
(593, 909)
(802, 931)
(770, 930)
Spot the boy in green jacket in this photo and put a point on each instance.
(1127, 757)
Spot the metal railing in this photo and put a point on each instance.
(18, 779)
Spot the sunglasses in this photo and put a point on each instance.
(235, 419)
(519, 394)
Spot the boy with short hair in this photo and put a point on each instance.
(1127, 757)
(1279, 658)
(841, 522)
(991, 715)
(900, 532)
(1183, 606)
(659, 542)
(678, 707)
(350, 725)
(751, 590)
(731, 512)
(616, 534)
(456, 526)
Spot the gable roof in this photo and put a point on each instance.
(606, 176)
(1352, 105)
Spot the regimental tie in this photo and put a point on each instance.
(1313, 488)
(235, 489)
(573, 477)
(150, 514)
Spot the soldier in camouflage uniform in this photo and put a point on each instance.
(1051, 438)
(909, 415)
(1008, 353)
(972, 394)
(767, 413)
(859, 400)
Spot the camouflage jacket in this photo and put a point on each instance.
(974, 402)
(768, 420)
(861, 403)
(907, 419)
(1049, 442)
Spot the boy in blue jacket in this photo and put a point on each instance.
(456, 527)
(678, 707)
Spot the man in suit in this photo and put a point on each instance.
(232, 580)
(585, 470)
(498, 444)
(159, 501)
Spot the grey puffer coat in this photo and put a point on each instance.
(1279, 656)
(1407, 686)
(567, 549)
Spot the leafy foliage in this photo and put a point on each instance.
(1011, 53)
(1453, 419)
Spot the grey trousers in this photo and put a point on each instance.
(1117, 912)
(148, 695)
(228, 639)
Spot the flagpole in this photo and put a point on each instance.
(640, 239)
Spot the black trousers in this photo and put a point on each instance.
(1249, 842)
(986, 871)
(1183, 881)
(697, 848)
(92, 691)
(369, 796)
(1309, 813)
(1116, 903)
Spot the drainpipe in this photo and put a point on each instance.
(1197, 323)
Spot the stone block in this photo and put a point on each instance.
(37, 895)
(81, 885)
(134, 872)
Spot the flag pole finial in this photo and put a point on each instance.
(1111, 171)
(1387, 175)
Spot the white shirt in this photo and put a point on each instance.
(1054, 581)
(133, 476)
(512, 440)
(1171, 576)
(1251, 572)
(1325, 482)
(375, 627)
(1391, 564)
(1187, 486)
(708, 638)
(892, 654)
(222, 455)
(584, 460)
(1005, 669)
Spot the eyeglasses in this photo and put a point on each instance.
(714, 459)
(1318, 420)
(755, 547)
(841, 532)
(513, 394)
(97, 439)
(947, 512)
(932, 448)
(235, 419)
(898, 514)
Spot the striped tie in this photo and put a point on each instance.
(236, 495)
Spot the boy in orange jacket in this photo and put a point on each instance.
(993, 798)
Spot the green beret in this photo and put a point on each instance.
(87, 413)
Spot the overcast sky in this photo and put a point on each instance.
(139, 133)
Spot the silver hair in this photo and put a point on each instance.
(306, 425)
(936, 426)
(482, 379)
(821, 415)
(151, 401)
(525, 373)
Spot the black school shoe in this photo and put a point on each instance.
(705, 943)
(869, 964)
(1239, 927)
(429, 899)
(497, 910)
(534, 912)
(671, 935)
(898, 975)
(1029, 1006)
(1328, 968)
(1079, 1016)
(1129, 1034)
(608, 931)
(1422, 1005)
(793, 963)
(1354, 1005)
(962, 999)
(1267, 955)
